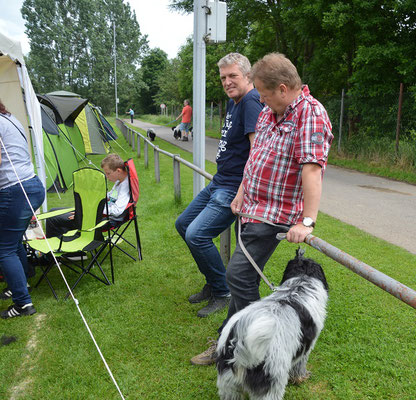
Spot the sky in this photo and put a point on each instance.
(165, 29)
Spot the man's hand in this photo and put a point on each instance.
(297, 233)
(237, 202)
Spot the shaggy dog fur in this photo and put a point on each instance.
(151, 134)
(268, 343)
(177, 134)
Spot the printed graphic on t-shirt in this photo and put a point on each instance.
(222, 145)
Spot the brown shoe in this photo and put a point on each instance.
(208, 356)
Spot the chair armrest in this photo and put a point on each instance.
(99, 225)
(51, 214)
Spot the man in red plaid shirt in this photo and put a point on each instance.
(282, 179)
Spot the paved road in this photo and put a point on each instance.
(381, 207)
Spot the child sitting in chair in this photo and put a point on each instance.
(118, 198)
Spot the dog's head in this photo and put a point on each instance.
(301, 266)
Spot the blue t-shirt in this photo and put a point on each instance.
(234, 146)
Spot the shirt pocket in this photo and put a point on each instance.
(282, 141)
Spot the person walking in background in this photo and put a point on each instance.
(131, 112)
(15, 212)
(209, 213)
(282, 180)
(186, 115)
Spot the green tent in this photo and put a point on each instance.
(95, 129)
(65, 114)
(60, 158)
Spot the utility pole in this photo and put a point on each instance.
(115, 66)
(200, 23)
(209, 27)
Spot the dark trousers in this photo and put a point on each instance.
(243, 280)
(60, 224)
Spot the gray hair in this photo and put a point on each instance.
(274, 69)
(236, 59)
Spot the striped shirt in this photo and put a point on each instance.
(273, 174)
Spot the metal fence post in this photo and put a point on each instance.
(157, 164)
(177, 178)
(146, 154)
(138, 146)
(133, 141)
(225, 246)
(341, 117)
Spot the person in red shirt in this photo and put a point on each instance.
(282, 180)
(186, 115)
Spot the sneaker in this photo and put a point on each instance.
(204, 294)
(185, 139)
(208, 357)
(5, 294)
(215, 304)
(17, 311)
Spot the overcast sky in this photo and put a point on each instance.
(165, 29)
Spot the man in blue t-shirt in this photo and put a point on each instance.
(209, 213)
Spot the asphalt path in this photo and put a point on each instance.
(382, 207)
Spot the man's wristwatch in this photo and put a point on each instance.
(308, 222)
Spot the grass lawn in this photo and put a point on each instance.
(148, 331)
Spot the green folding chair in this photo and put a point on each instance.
(90, 196)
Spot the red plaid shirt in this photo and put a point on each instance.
(273, 174)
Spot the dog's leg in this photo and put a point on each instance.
(298, 373)
(276, 392)
(228, 387)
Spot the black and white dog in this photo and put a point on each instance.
(268, 343)
(151, 134)
(177, 134)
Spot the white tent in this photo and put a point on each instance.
(17, 94)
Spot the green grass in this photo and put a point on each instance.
(148, 331)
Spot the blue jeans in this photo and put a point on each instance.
(15, 215)
(205, 218)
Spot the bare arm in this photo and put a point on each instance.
(312, 189)
(239, 197)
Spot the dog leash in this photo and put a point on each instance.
(279, 236)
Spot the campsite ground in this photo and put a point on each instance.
(148, 331)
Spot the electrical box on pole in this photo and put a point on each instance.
(216, 21)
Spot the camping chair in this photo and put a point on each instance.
(129, 216)
(90, 196)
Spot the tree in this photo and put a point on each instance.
(72, 47)
(152, 67)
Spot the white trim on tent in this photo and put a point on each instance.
(13, 50)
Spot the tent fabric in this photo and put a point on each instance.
(95, 133)
(60, 157)
(67, 107)
(11, 57)
(87, 123)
